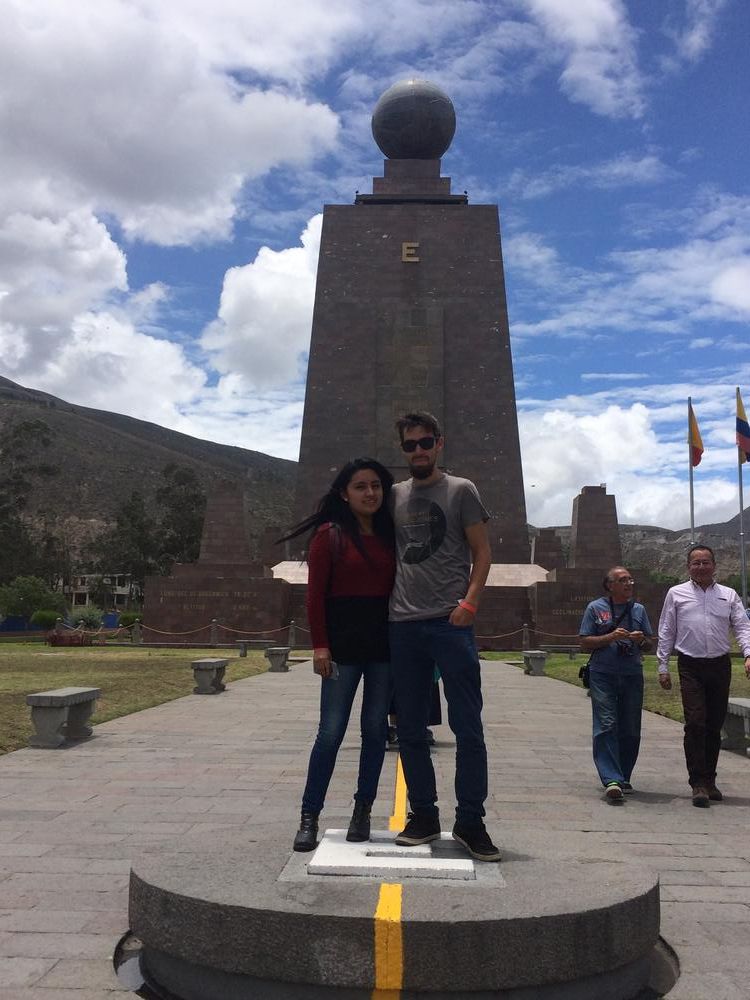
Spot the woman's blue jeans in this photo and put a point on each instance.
(616, 704)
(336, 699)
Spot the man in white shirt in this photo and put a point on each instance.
(695, 623)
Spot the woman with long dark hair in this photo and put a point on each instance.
(351, 568)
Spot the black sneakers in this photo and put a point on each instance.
(477, 841)
(419, 829)
(359, 827)
(306, 838)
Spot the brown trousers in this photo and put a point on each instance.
(704, 684)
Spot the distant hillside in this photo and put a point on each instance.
(102, 457)
(651, 548)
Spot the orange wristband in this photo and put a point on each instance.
(467, 607)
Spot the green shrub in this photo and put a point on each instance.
(91, 616)
(45, 619)
(26, 594)
(128, 617)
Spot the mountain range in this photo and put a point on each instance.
(101, 457)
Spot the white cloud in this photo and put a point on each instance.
(229, 413)
(665, 290)
(695, 35)
(265, 314)
(617, 443)
(626, 170)
(126, 112)
(731, 287)
(109, 364)
(597, 46)
(697, 343)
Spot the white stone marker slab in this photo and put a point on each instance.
(381, 858)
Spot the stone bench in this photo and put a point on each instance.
(209, 675)
(533, 662)
(737, 726)
(61, 715)
(571, 650)
(278, 657)
(245, 644)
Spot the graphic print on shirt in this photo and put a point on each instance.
(424, 528)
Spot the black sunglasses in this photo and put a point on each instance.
(424, 443)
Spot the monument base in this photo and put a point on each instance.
(251, 921)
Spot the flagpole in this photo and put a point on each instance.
(690, 470)
(743, 562)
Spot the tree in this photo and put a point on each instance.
(131, 546)
(183, 503)
(734, 580)
(27, 594)
(22, 463)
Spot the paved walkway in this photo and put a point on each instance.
(70, 820)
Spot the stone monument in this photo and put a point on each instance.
(225, 584)
(595, 535)
(410, 313)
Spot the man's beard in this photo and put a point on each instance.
(422, 471)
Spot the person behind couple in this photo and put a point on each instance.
(615, 630)
(351, 566)
(443, 558)
(695, 623)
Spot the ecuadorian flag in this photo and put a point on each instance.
(694, 438)
(743, 431)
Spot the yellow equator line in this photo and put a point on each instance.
(389, 945)
(398, 819)
(389, 942)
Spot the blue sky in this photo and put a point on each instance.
(165, 165)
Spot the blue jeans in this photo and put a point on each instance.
(336, 698)
(416, 647)
(616, 704)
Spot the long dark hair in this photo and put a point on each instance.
(334, 509)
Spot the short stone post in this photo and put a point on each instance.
(135, 635)
(213, 637)
(59, 626)
(209, 675)
(534, 660)
(525, 639)
(291, 637)
(277, 658)
(242, 643)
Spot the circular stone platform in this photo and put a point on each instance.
(246, 921)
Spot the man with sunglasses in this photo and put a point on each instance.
(695, 623)
(443, 558)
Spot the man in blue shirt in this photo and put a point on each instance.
(614, 630)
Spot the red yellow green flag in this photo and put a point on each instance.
(694, 438)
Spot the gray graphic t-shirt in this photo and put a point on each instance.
(434, 558)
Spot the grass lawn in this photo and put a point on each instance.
(666, 703)
(130, 679)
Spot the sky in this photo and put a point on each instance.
(164, 166)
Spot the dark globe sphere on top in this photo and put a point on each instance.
(414, 120)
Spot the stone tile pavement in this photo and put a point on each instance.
(70, 820)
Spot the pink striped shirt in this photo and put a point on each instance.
(696, 622)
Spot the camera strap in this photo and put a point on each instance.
(627, 612)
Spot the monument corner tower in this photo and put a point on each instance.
(410, 313)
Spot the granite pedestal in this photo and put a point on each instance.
(255, 923)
